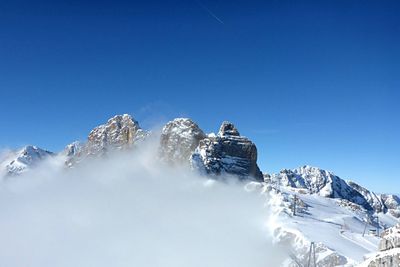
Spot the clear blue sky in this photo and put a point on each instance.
(310, 82)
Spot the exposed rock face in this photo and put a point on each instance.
(121, 131)
(228, 129)
(390, 238)
(22, 160)
(73, 153)
(179, 139)
(227, 153)
(74, 149)
(379, 202)
(321, 182)
(391, 259)
(389, 247)
(373, 199)
(392, 204)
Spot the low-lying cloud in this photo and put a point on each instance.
(130, 210)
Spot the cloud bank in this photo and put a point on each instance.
(130, 210)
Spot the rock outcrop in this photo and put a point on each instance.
(392, 204)
(73, 153)
(179, 138)
(227, 153)
(120, 132)
(389, 249)
(390, 238)
(373, 199)
(379, 202)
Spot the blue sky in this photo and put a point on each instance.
(310, 82)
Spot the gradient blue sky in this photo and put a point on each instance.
(310, 82)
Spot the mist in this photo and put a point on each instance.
(128, 209)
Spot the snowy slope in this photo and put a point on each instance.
(336, 229)
(19, 161)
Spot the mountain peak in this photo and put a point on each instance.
(228, 129)
(119, 132)
(179, 138)
(21, 160)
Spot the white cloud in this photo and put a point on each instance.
(128, 210)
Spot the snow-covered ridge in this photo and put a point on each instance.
(19, 161)
(313, 180)
(342, 232)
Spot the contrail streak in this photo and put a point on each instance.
(209, 12)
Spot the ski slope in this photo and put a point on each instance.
(336, 229)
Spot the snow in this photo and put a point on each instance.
(19, 161)
(389, 253)
(325, 221)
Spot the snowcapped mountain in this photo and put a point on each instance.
(311, 205)
(181, 142)
(338, 216)
(313, 180)
(19, 161)
(121, 131)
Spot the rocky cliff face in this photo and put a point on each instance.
(120, 132)
(227, 153)
(179, 138)
(181, 141)
(379, 202)
(74, 152)
(373, 199)
(389, 249)
(392, 204)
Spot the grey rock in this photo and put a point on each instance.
(120, 132)
(179, 139)
(73, 153)
(227, 153)
(373, 199)
(392, 260)
(227, 129)
(390, 238)
(389, 249)
(379, 202)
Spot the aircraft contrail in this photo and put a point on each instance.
(209, 12)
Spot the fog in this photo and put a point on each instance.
(130, 210)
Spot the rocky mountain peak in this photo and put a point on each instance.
(321, 182)
(121, 131)
(179, 138)
(227, 153)
(20, 161)
(228, 129)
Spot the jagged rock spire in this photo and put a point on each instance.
(227, 153)
(228, 129)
